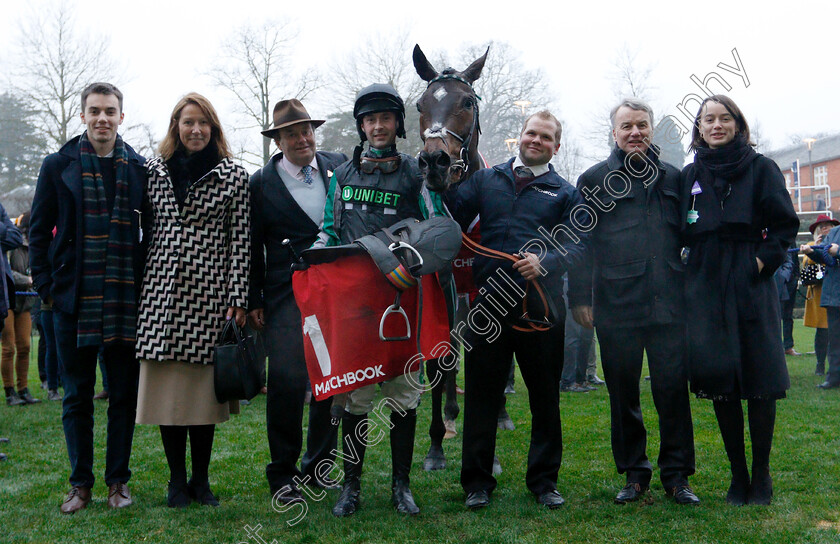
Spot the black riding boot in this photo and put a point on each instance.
(762, 415)
(730, 417)
(354, 431)
(402, 449)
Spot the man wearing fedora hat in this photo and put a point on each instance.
(287, 202)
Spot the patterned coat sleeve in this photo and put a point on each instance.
(239, 249)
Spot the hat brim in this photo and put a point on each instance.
(814, 226)
(273, 131)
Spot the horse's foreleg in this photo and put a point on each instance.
(435, 459)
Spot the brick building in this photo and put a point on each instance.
(821, 196)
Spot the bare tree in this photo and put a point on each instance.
(142, 139)
(55, 65)
(504, 82)
(256, 68)
(799, 138)
(569, 160)
(629, 78)
(383, 58)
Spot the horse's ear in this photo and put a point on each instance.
(424, 68)
(473, 72)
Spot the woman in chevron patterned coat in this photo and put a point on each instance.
(196, 277)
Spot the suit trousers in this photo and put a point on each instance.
(577, 349)
(486, 366)
(833, 375)
(78, 372)
(622, 350)
(287, 378)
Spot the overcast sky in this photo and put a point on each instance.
(788, 49)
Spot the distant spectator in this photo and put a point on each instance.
(787, 279)
(18, 324)
(815, 315)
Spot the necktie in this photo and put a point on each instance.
(524, 172)
(307, 174)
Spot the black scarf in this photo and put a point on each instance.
(184, 170)
(718, 167)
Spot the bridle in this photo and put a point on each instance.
(459, 167)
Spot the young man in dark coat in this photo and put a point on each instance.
(287, 202)
(92, 192)
(631, 289)
(519, 202)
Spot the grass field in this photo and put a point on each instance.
(806, 507)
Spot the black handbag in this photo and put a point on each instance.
(812, 274)
(239, 359)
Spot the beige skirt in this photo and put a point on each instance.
(176, 393)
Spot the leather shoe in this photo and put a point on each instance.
(403, 500)
(12, 398)
(77, 498)
(683, 495)
(102, 395)
(828, 385)
(177, 495)
(594, 380)
(791, 351)
(349, 499)
(119, 496)
(200, 493)
(550, 499)
(26, 397)
(631, 492)
(287, 494)
(477, 499)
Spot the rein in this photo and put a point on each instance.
(533, 325)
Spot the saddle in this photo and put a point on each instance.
(403, 252)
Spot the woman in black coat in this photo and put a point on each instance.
(738, 222)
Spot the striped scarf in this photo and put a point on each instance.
(107, 300)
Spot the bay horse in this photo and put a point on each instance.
(450, 129)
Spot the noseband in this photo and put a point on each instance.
(459, 167)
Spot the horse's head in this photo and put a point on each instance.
(449, 123)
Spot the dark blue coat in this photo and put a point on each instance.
(732, 310)
(830, 297)
(538, 220)
(54, 262)
(275, 215)
(632, 275)
(10, 238)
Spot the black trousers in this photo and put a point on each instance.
(622, 349)
(787, 320)
(78, 372)
(287, 378)
(486, 366)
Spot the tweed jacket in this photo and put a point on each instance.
(197, 264)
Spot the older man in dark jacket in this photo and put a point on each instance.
(92, 193)
(287, 202)
(631, 289)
